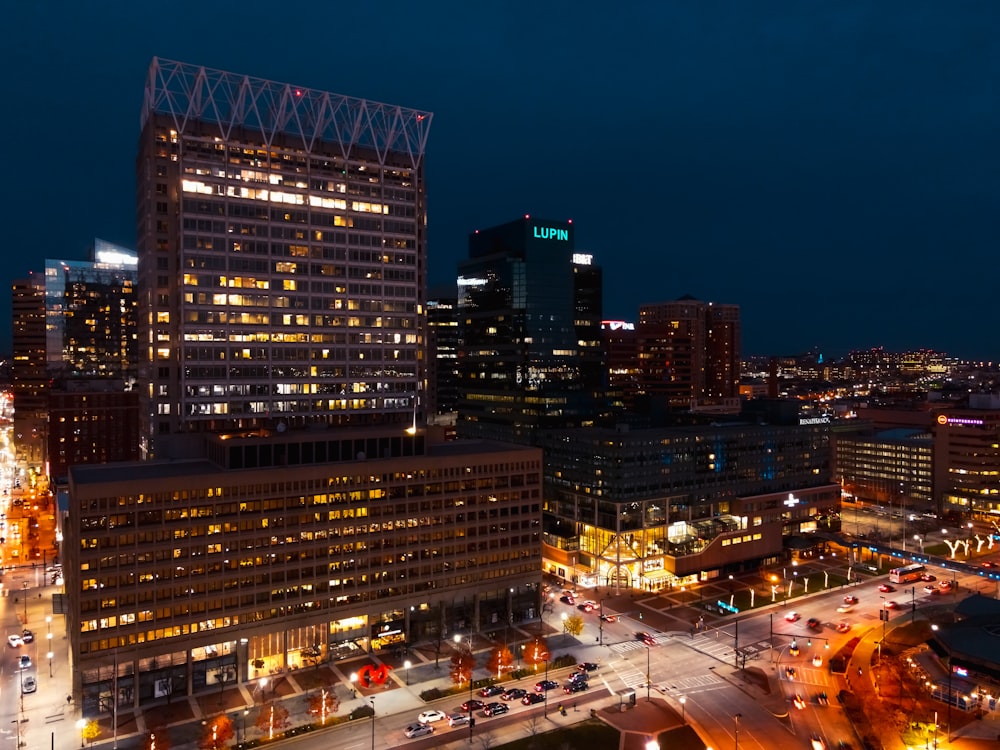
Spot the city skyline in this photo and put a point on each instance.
(813, 166)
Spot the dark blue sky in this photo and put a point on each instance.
(831, 167)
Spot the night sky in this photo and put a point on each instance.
(831, 167)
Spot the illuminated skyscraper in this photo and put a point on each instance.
(282, 256)
(530, 318)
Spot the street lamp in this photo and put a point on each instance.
(647, 675)
(736, 733)
(407, 665)
(263, 688)
(372, 701)
(354, 684)
(920, 540)
(50, 663)
(81, 724)
(564, 616)
(683, 710)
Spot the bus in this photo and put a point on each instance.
(907, 573)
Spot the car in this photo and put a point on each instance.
(514, 694)
(567, 599)
(24, 662)
(822, 699)
(928, 577)
(584, 607)
(609, 618)
(29, 684)
(817, 743)
(790, 673)
(798, 702)
(14, 641)
(532, 698)
(542, 685)
(885, 588)
(890, 605)
(843, 627)
(817, 661)
(814, 623)
(930, 588)
(577, 686)
(578, 677)
(850, 599)
(458, 720)
(988, 564)
(845, 608)
(945, 586)
(490, 690)
(793, 617)
(645, 638)
(472, 705)
(418, 730)
(495, 709)
(587, 666)
(27, 636)
(430, 716)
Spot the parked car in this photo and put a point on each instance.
(495, 709)
(14, 641)
(490, 690)
(790, 673)
(822, 699)
(578, 677)
(430, 716)
(532, 698)
(25, 662)
(472, 705)
(418, 730)
(930, 588)
(845, 608)
(798, 702)
(817, 661)
(458, 720)
(587, 666)
(843, 627)
(542, 685)
(576, 687)
(514, 694)
(945, 586)
(928, 577)
(567, 599)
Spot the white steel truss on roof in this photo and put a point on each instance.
(191, 93)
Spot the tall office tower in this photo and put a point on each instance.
(530, 313)
(29, 378)
(90, 313)
(91, 350)
(443, 342)
(689, 355)
(282, 256)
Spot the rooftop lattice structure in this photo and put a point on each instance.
(190, 93)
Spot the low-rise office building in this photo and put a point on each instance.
(277, 551)
(653, 508)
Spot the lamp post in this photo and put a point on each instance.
(683, 710)
(600, 626)
(406, 666)
(919, 540)
(647, 675)
(81, 724)
(50, 663)
(564, 617)
(263, 688)
(736, 733)
(24, 592)
(372, 701)
(354, 684)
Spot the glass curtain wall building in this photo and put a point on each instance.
(530, 316)
(282, 256)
